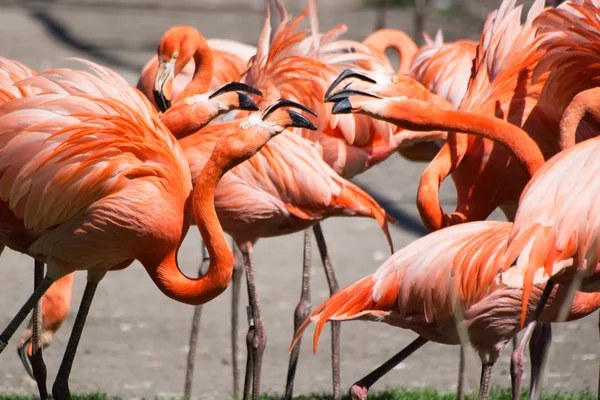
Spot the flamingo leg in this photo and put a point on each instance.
(249, 361)
(335, 325)
(257, 337)
(38, 367)
(191, 357)
(484, 385)
(301, 313)
(517, 358)
(60, 389)
(538, 350)
(18, 319)
(460, 387)
(360, 389)
(236, 285)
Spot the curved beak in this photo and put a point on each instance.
(344, 94)
(297, 120)
(237, 86)
(300, 121)
(24, 356)
(162, 84)
(245, 102)
(345, 75)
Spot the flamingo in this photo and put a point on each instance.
(576, 51)
(316, 202)
(54, 308)
(296, 203)
(514, 85)
(445, 70)
(384, 39)
(45, 143)
(193, 65)
(199, 111)
(441, 286)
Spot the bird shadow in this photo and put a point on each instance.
(61, 33)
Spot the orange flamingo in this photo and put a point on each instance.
(384, 39)
(309, 207)
(56, 305)
(272, 73)
(285, 188)
(183, 119)
(552, 227)
(188, 64)
(444, 69)
(53, 133)
(440, 286)
(502, 85)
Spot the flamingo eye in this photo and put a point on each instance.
(175, 55)
(245, 125)
(394, 79)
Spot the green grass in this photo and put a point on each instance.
(390, 394)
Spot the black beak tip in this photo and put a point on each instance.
(300, 121)
(161, 102)
(342, 107)
(246, 103)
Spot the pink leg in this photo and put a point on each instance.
(236, 286)
(300, 314)
(257, 337)
(191, 357)
(335, 325)
(38, 367)
(484, 385)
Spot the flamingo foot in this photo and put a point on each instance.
(358, 392)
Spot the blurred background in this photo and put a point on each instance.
(135, 342)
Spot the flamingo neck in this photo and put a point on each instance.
(183, 119)
(584, 103)
(397, 40)
(203, 69)
(416, 115)
(169, 278)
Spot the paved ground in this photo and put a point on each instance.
(135, 341)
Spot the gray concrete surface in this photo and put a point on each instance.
(135, 341)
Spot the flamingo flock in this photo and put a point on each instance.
(259, 141)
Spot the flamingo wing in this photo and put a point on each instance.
(11, 72)
(445, 69)
(86, 139)
(431, 277)
(571, 33)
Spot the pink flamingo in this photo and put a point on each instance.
(442, 286)
(45, 143)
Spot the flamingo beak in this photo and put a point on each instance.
(245, 102)
(297, 120)
(162, 84)
(345, 75)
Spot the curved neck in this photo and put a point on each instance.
(397, 40)
(584, 103)
(203, 69)
(169, 278)
(184, 119)
(416, 115)
(428, 192)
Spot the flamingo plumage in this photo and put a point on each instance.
(440, 285)
(207, 64)
(133, 157)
